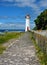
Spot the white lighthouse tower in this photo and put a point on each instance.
(27, 26)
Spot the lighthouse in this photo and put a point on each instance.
(27, 25)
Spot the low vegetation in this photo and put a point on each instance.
(7, 36)
(41, 56)
(2, 48)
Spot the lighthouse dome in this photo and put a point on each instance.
(27, 16)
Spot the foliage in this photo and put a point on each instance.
(41, 21)
(7, 36)
(2, 48)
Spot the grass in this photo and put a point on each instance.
(7, 36)
(42, 56)
(2, 48)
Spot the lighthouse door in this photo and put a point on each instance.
(27, 28)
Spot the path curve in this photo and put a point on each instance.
(22, 52)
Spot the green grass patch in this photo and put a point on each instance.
(7, 36)
(2, 48)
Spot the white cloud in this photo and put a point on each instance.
(30, 3)
(34, 4)
(23, 3)
(32, 26)
(1, 23)
(43, 3)
(8, 0)
(11, 26)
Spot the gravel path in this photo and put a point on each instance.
(21, 52)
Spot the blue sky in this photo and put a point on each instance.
(13, 12)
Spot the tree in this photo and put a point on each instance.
(41, 21)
